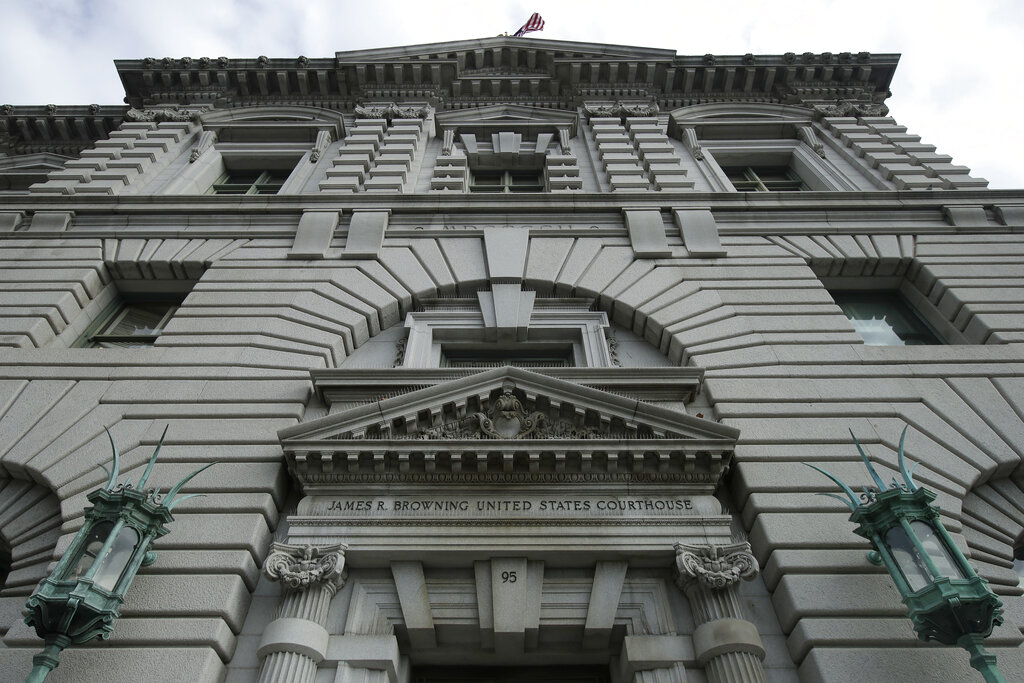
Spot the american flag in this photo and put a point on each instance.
(534, 23)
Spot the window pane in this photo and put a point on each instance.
(507, 181)
(251, 182)
(114, 562)
(133, 325)
(883, 319)
(97, 537)
(909, 560)
(937, 551)
(764, 179)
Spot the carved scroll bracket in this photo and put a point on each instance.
(207, 139)
(714, 567)
(302, 567)
(806, 133)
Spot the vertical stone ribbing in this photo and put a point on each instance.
(311, 575)
(709, 605)
(725, 643)
(735, 666)
(310, 604)
(292, 667)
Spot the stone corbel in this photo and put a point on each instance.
(806, 133)
(207, 139)
(323, 139)
(692, 143)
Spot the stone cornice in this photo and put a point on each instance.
(650, 384)
(557, 74)
(63, 129)
(699, 462)
(751, 213)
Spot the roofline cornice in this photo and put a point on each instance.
(552, 74)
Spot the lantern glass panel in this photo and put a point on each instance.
(91, 548)
(937, 550)
(112, 566)
(907, 558)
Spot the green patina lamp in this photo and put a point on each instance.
(946, 600)
(79, 601)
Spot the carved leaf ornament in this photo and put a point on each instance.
(508, 419)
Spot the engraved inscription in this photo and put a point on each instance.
(482, 506)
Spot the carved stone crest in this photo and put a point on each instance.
(845, 108)
(714, 567)
(390, 112)
(159, 115)
(301, 567)
(620, 109)
(507, 418)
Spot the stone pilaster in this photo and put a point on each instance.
(296, 641)
(727, 645)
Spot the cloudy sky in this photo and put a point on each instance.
(956, 86)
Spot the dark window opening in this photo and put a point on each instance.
(764, 179)
(506, 181)
(250, 182)
(518, 674)
(5, 564)
(129, 325)
(478, 357)
(883, 319)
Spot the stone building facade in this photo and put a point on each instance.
(511, 354)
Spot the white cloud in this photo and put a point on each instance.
(954, 87)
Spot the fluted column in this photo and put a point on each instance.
(727, 645)
(296, 641)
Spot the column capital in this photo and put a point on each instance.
(301, 567)
(714, 567)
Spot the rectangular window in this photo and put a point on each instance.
(483, 357)
(131, 325)
(884, 319)
(764, 179)
(250, 182)
(506, 181)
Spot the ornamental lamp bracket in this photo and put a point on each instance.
(80, 599)
(946, 600)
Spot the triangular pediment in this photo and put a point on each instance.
(506, 117)
(508, 425)
(559, 49)
(508, 403)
